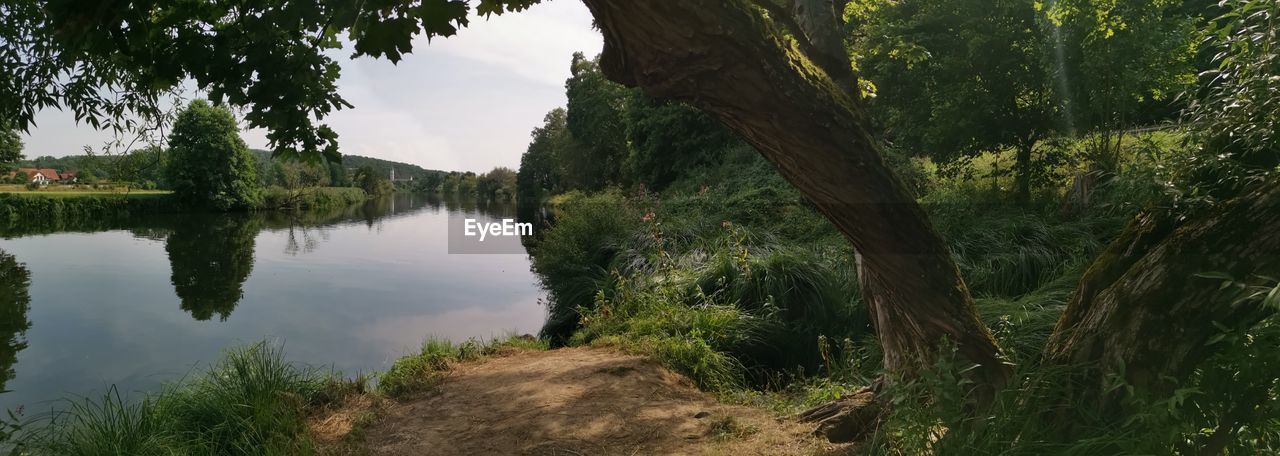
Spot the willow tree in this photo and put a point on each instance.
(774, 71)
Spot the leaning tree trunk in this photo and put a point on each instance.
(1144, 311)
(727, 58)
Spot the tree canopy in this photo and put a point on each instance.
(112, 64)
(10, 147)
(209, 165)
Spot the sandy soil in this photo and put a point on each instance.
(576, 401)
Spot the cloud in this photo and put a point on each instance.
(466, 102)
(534, 44)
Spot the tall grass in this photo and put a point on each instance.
(252, 402)
(279, 198)
(725, 304)
(575, 258)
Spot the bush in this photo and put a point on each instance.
(279, 198)
(250, 403)
(48, 212)
(575, 258)
(209, 165)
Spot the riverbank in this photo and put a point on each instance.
(522, 400)
(44, 211)
(529, 399)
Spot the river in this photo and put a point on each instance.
(156, 298)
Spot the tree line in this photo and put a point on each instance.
(783, 77)
(611, 135)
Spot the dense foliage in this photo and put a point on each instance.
(730, 280)
(1012, 74)
(209, 165)
(727, 274)
(610, 135)
(10, 147)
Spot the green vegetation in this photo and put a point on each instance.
(209, 165)
(423, 371)
(1156, 349)
(250, 403)
(10, 147)
(311, 197)
(32, 211)
(365, 178)
(611, 135)
(497, 185)
(727, 273)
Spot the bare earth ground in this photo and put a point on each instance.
(575, 401)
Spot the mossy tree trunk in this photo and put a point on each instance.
(803, 114)
(1145, 311)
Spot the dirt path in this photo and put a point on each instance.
(576, 401)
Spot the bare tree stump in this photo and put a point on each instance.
(846, 420)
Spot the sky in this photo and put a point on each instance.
(465, 103)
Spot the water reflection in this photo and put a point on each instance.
(15, 301)
(143, 300)
(211, 256)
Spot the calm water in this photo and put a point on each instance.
(150, 300)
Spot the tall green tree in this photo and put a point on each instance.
(209, 165)
(338, 175)
(371, 181)
(955, 78)
(595, 118)
(1121, 64)
(499, 184)
(540, 172)
(668, 138)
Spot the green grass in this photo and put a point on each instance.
(731, 278)
(250, 403)
(140, 194)
(421, 372)
(278, 198)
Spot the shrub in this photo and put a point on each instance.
(575, 258)
(209, 165)
(250, 403)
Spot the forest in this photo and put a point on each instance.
(1096, 176)
(944, 227)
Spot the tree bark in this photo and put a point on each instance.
(728, 59)
(1142, 313)
(1022, 170)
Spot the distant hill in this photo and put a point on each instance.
(380, 166)
(350, 162)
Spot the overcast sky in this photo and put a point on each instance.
(463, 103)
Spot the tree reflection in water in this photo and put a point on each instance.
(15, 301)
(211, 255)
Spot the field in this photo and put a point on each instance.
(67, 191)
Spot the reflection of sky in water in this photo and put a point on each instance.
(103, 309)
